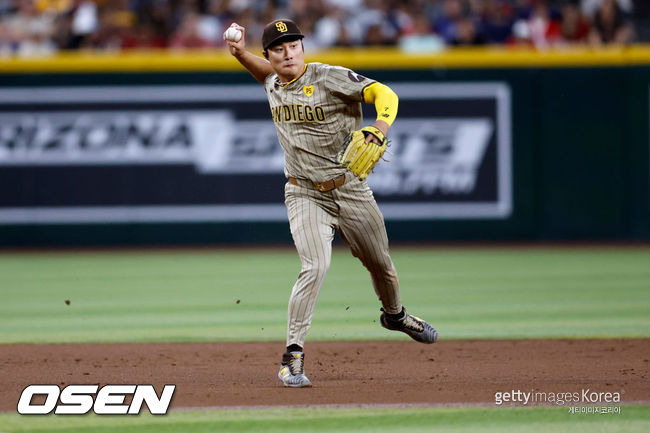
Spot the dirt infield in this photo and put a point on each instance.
(404, 372)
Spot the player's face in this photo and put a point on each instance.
(287, 59)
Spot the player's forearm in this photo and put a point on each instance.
(258, 67)
(386, 103)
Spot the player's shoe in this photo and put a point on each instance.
(292, 370)
(414, 327)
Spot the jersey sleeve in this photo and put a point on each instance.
(346, 84)
(267, 83)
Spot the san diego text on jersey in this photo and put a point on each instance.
(297, 113)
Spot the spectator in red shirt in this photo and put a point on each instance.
(143, 35)
(575, 27)
(544, 30)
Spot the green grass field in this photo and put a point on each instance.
(192, 296)
(632, 419)
(130, 296)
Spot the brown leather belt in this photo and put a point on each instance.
(326, 186)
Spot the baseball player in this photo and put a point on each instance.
(315, 107)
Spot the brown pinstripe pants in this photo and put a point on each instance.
(313, 217)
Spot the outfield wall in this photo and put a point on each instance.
(179, 148)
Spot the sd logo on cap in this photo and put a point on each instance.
(279, 31)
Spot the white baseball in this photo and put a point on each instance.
(232, 34)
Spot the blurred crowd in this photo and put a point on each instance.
(44, 27)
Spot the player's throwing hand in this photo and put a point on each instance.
(235, 37)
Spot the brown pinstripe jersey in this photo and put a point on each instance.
(313, 115)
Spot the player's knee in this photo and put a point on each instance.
(379, 265)
(316, 271)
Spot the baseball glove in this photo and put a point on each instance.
(360, 157)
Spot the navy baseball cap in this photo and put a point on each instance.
(279, 31)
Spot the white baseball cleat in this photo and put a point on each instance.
(292, 370)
